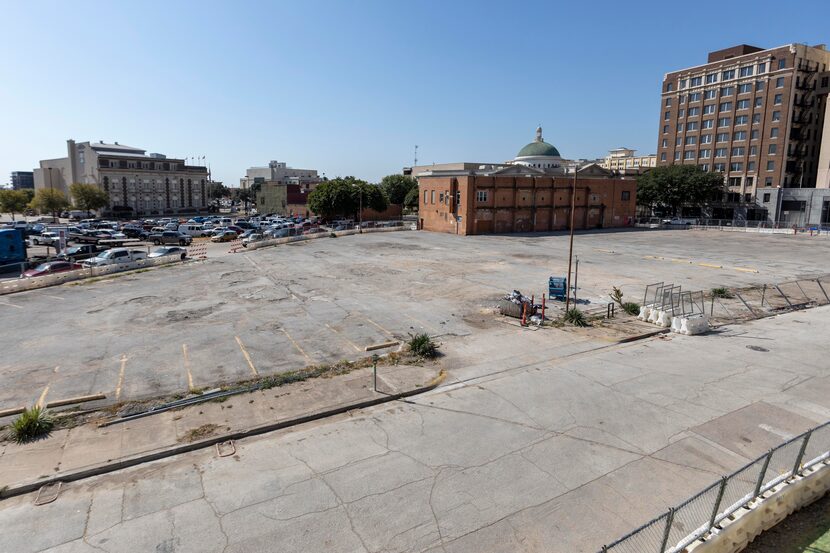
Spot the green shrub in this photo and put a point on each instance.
(32, 424)
(722, 292)
(575, 317)
(630, 307)
(422, 345)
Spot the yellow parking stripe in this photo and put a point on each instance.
(120, 378)
(296, 345)
(247, 357)
(187, 367)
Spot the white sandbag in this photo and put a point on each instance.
(664, 319)
(677, 323)
(696, 325)
(645, 311)
(652, 317)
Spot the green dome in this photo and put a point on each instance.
(538, 149)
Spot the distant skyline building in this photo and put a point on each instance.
(137, 183)
(757, 116)
(624, 160)
(278, 172)
(23, 180)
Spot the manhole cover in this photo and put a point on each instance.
(756, 348)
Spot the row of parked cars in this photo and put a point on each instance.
(87, 256)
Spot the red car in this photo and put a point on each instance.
(236, 229)
(50, 268)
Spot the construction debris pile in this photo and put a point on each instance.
(519, 306)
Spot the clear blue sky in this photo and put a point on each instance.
(349, 87)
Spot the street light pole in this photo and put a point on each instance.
(571, 244)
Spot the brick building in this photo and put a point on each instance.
(756, 115)
(514, 199)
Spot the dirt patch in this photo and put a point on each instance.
(200, 433)
(190, 314)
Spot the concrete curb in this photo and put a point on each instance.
(209, 442)
(636, 337)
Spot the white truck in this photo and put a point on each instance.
(115, 256)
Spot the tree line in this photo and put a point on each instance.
(86, 197)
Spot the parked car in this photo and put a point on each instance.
(115, 256)
(79, 252)
(253, 237)
(316, 230)
(168, 250)
(224, 236)
(679, 221)
(170, 237)
(134, 231)
(237, 229)
(50, 268)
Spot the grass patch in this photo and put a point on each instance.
(575, 317)
(33, 423)
(630, 307)
(422, 346)
(722, 292)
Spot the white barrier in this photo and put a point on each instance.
(33, 283)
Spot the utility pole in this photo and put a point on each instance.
(416, 156)
(571, 245)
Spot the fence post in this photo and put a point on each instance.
(762, 474)
(722, 489)
(669, 520)
(797, 466)
(822, 290)
(784, 296)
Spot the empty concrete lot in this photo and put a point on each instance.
(553, 457)
(281, 308)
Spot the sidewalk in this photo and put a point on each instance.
(86, 450)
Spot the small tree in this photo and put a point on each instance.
(411, 200)
(245, 195)
(673, 186)
(88, 197)
(49, 200)
(13, 201)
(396, 188)
(370, 196)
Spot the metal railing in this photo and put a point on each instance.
(742, 304)
(694, 518)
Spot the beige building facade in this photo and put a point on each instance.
(626, 160)
(136, 183)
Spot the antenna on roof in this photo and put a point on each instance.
(415, 163)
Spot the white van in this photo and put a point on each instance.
(193, 229)
(224, 222)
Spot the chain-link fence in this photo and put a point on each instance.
(729, 306)
(738, 225)
(694, 518)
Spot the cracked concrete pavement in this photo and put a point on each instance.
(544, 456)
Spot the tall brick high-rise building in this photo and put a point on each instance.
(754, 115)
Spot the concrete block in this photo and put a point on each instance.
(738, 530)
